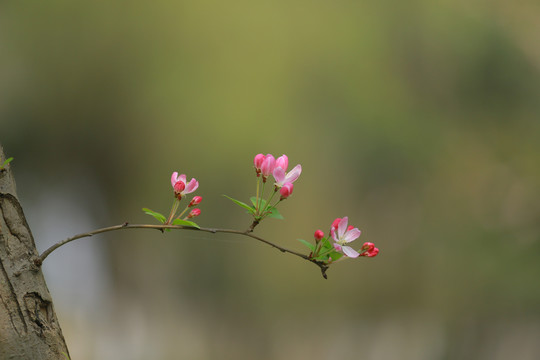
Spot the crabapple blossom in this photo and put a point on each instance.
(282, 177)
(342, 235)
(181, 186)
(194, 213)
(282, 162)
(369, 250)
(286, 190)
(318, 235)
(178, 187)
(195, 201)
(268, 165)
(257, 162)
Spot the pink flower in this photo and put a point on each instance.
(318, 235)
(180, 185)
(286, 190)
(342, 235)
(257, 162)
(195, 201)
(282, 162)
(369, 250)
(290, 177)
(268, 165)
(193, 213)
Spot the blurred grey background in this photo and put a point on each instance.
(419, 120)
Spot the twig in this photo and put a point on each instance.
(39, 260)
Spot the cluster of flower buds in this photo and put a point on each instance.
(369, 250)
(266, 165)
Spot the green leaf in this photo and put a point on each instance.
(155, 214)
(254, 202)
(185, 223)
(335, 255)
(274, 213)
(326, 245)
(239, 203)
(308, 244)
(7, 161)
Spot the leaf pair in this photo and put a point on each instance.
(159, 217)
(271, 211)
(322, 251)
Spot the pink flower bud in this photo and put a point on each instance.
(319, 235)
(194, 213)
(369, 250)
(195, 201)
(336, 223)
(282, 162)
(178, 187)
(368, 246)
(257, 162)
(286, 190)
(268, 165)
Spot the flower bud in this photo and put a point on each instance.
(369, 250)
(194, 213)
(257, 162)
(286, 190)
(268, 165)
(282, 162)
(318, 235)
(178, 187)
(195, 201)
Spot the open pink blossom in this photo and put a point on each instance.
(342, 235)
(178, 180)
(282, 177)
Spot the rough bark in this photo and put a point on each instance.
(29, 328)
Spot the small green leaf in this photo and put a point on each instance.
(326, 244)
(7, 161)
(155, 214)
(239, 203)
(274, 213)
(335, 255)
(262, 202)
(308, 244)
(185, 223)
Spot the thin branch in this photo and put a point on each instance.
(38, 261)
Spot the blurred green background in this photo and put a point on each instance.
(419, 120)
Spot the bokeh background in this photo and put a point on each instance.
(419, 120)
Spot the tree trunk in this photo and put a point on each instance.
(29, 328)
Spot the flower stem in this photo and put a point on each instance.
(174, 208)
